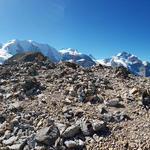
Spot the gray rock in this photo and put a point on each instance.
(47, 135)
(7, 134)
(86, 128)
(80, 143)
(108, 117)
(71, 131)
(98, 125)
(70, 144)
(15, 121)
(10, 140)
(112, 103)
(61, 127)
(16, 106)
(15, 147)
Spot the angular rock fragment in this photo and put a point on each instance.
(61, 127)
(70, 144)
(71, 131)
(98, 125)
(86, 128)
(113, 102)
(10, 140)
(47, 135)
(146, 98)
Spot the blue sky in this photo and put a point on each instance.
(98, 27)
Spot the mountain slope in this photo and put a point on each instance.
(131, 62)
(14, 46)
(81, 59)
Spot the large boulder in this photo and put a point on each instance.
(47, 135)
(29, 56)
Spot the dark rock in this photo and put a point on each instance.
(112, 102)
(71, 131)
(29, 56)
(5, 74)
(2, 118)
(146, 98)
(32, 87)
(121, 72)
(71, 64)
(47, 135)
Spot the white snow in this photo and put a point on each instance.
(119, 54)
(70, 51)
(80, 60)
(145, 63)
(101, 61)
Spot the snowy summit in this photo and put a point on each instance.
(129, 61)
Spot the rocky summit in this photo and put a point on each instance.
(63, 106)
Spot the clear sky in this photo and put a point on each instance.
(98, 27)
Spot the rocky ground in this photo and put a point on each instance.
(62, 106)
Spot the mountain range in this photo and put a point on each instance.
(129, 61)
(14, 46)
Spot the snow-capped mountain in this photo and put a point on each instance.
(14, 46)
(72, 54)
(131, 62)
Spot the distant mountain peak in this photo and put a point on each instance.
(70, 54)
(131, 62)
(70, 51)
(123, 54)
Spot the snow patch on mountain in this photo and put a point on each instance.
(69, 51)
(80, 60)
